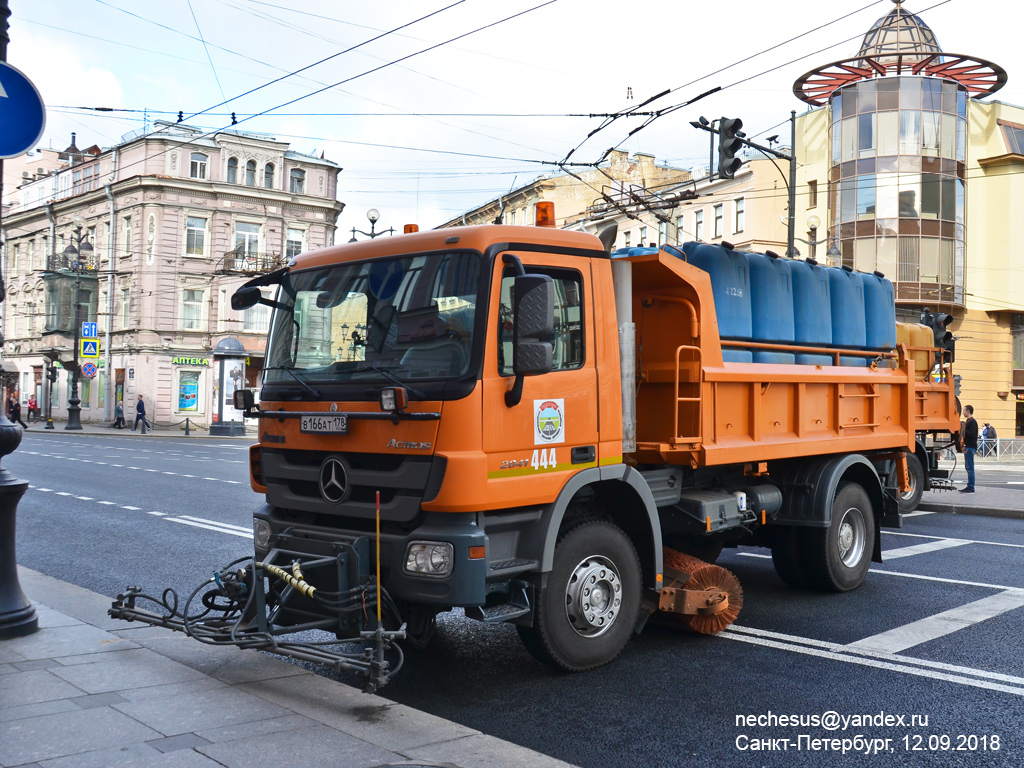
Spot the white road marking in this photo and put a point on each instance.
(968, 541)
(876, 663)
(84, 498)
(125, 506)
(45, 490)
(896, 658)
(920, 549)
(158, 514)
(64, 493)
(941, 624)
(242, 528)
(108, 503)
(217, 528)
(1015, 482)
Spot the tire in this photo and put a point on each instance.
(788, 556)
(585, 615)
(838, 557)
(910, 498)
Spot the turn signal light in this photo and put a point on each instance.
(544, 214)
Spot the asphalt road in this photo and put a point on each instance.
(932, 637)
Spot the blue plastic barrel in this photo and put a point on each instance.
(880, 311)
(812, 310)
(730, 285)
(771, 306)
(849, 320)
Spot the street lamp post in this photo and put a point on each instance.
(373, 215)
(813, 222)
(75, 255)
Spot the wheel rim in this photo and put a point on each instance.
(852, 537)
(593, 596)
(911, 486)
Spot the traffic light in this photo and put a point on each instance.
(939, 322)
(51, 373)
(730, 140)
(956, 385)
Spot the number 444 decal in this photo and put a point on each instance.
(544, 459)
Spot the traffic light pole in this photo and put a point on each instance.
(704, 125)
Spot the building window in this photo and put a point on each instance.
(192, 310)
(256, 319)
(268, 176)
(247, 237)
(718, 220)
(232, 170)
(812, 194)
(293, 245)
(14, 258)
(1017, 328)
(739, 204)
(125, 306)
(1014, 135)
(643, 237)
(197, 168)
(698, 226)
(298, 181)
(626, 237)
(250, 173)
(188, 390)
(195, 236)
(126, 231)
(662, 233)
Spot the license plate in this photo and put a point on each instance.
(332, 424)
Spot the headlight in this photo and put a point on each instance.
(260, 533)
(429, 558)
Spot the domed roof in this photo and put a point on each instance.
(899, 31)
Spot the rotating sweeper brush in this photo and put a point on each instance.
(706, 597)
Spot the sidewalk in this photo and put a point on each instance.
(988, 501)
(104, 428)
(88, 691)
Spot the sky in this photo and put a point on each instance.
(433, 107)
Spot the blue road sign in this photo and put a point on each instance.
(89, 331)
(89, 370)
(22, 114)
(90, 348)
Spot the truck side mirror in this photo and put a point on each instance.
(533, 324)
(245, 297)
(244, 399)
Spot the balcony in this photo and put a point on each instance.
(60, 262)
(244, 262)
(1018, 379)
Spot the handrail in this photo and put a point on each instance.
(700, 378)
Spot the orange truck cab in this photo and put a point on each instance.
(517, 422)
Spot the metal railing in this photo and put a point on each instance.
(1011, 449)
(245, 262)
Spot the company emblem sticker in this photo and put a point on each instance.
(548, 421)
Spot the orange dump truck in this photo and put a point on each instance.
(516, 422)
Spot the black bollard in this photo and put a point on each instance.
(186, 426)
(17, 616)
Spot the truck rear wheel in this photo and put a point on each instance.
(838, 557)
(911, 497)
(585, 615)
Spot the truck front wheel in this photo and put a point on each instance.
(839, 556)
(586, 614)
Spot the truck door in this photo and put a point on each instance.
(532, 447)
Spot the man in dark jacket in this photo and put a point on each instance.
(970, 446)
(140, 415)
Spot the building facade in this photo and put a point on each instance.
(621, 177)
(922, 172)
(149, 239)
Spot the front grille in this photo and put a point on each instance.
(292, 479)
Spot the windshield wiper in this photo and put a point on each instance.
(295, 376)
(393, 379)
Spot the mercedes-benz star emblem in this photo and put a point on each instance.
(333, 480)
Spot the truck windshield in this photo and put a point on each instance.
(402, 319)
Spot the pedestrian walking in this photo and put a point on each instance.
(16, 413)
(118, 415)
(33, 409)
(970, 433)
(140, 415)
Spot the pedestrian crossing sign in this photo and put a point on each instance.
(89, 348)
